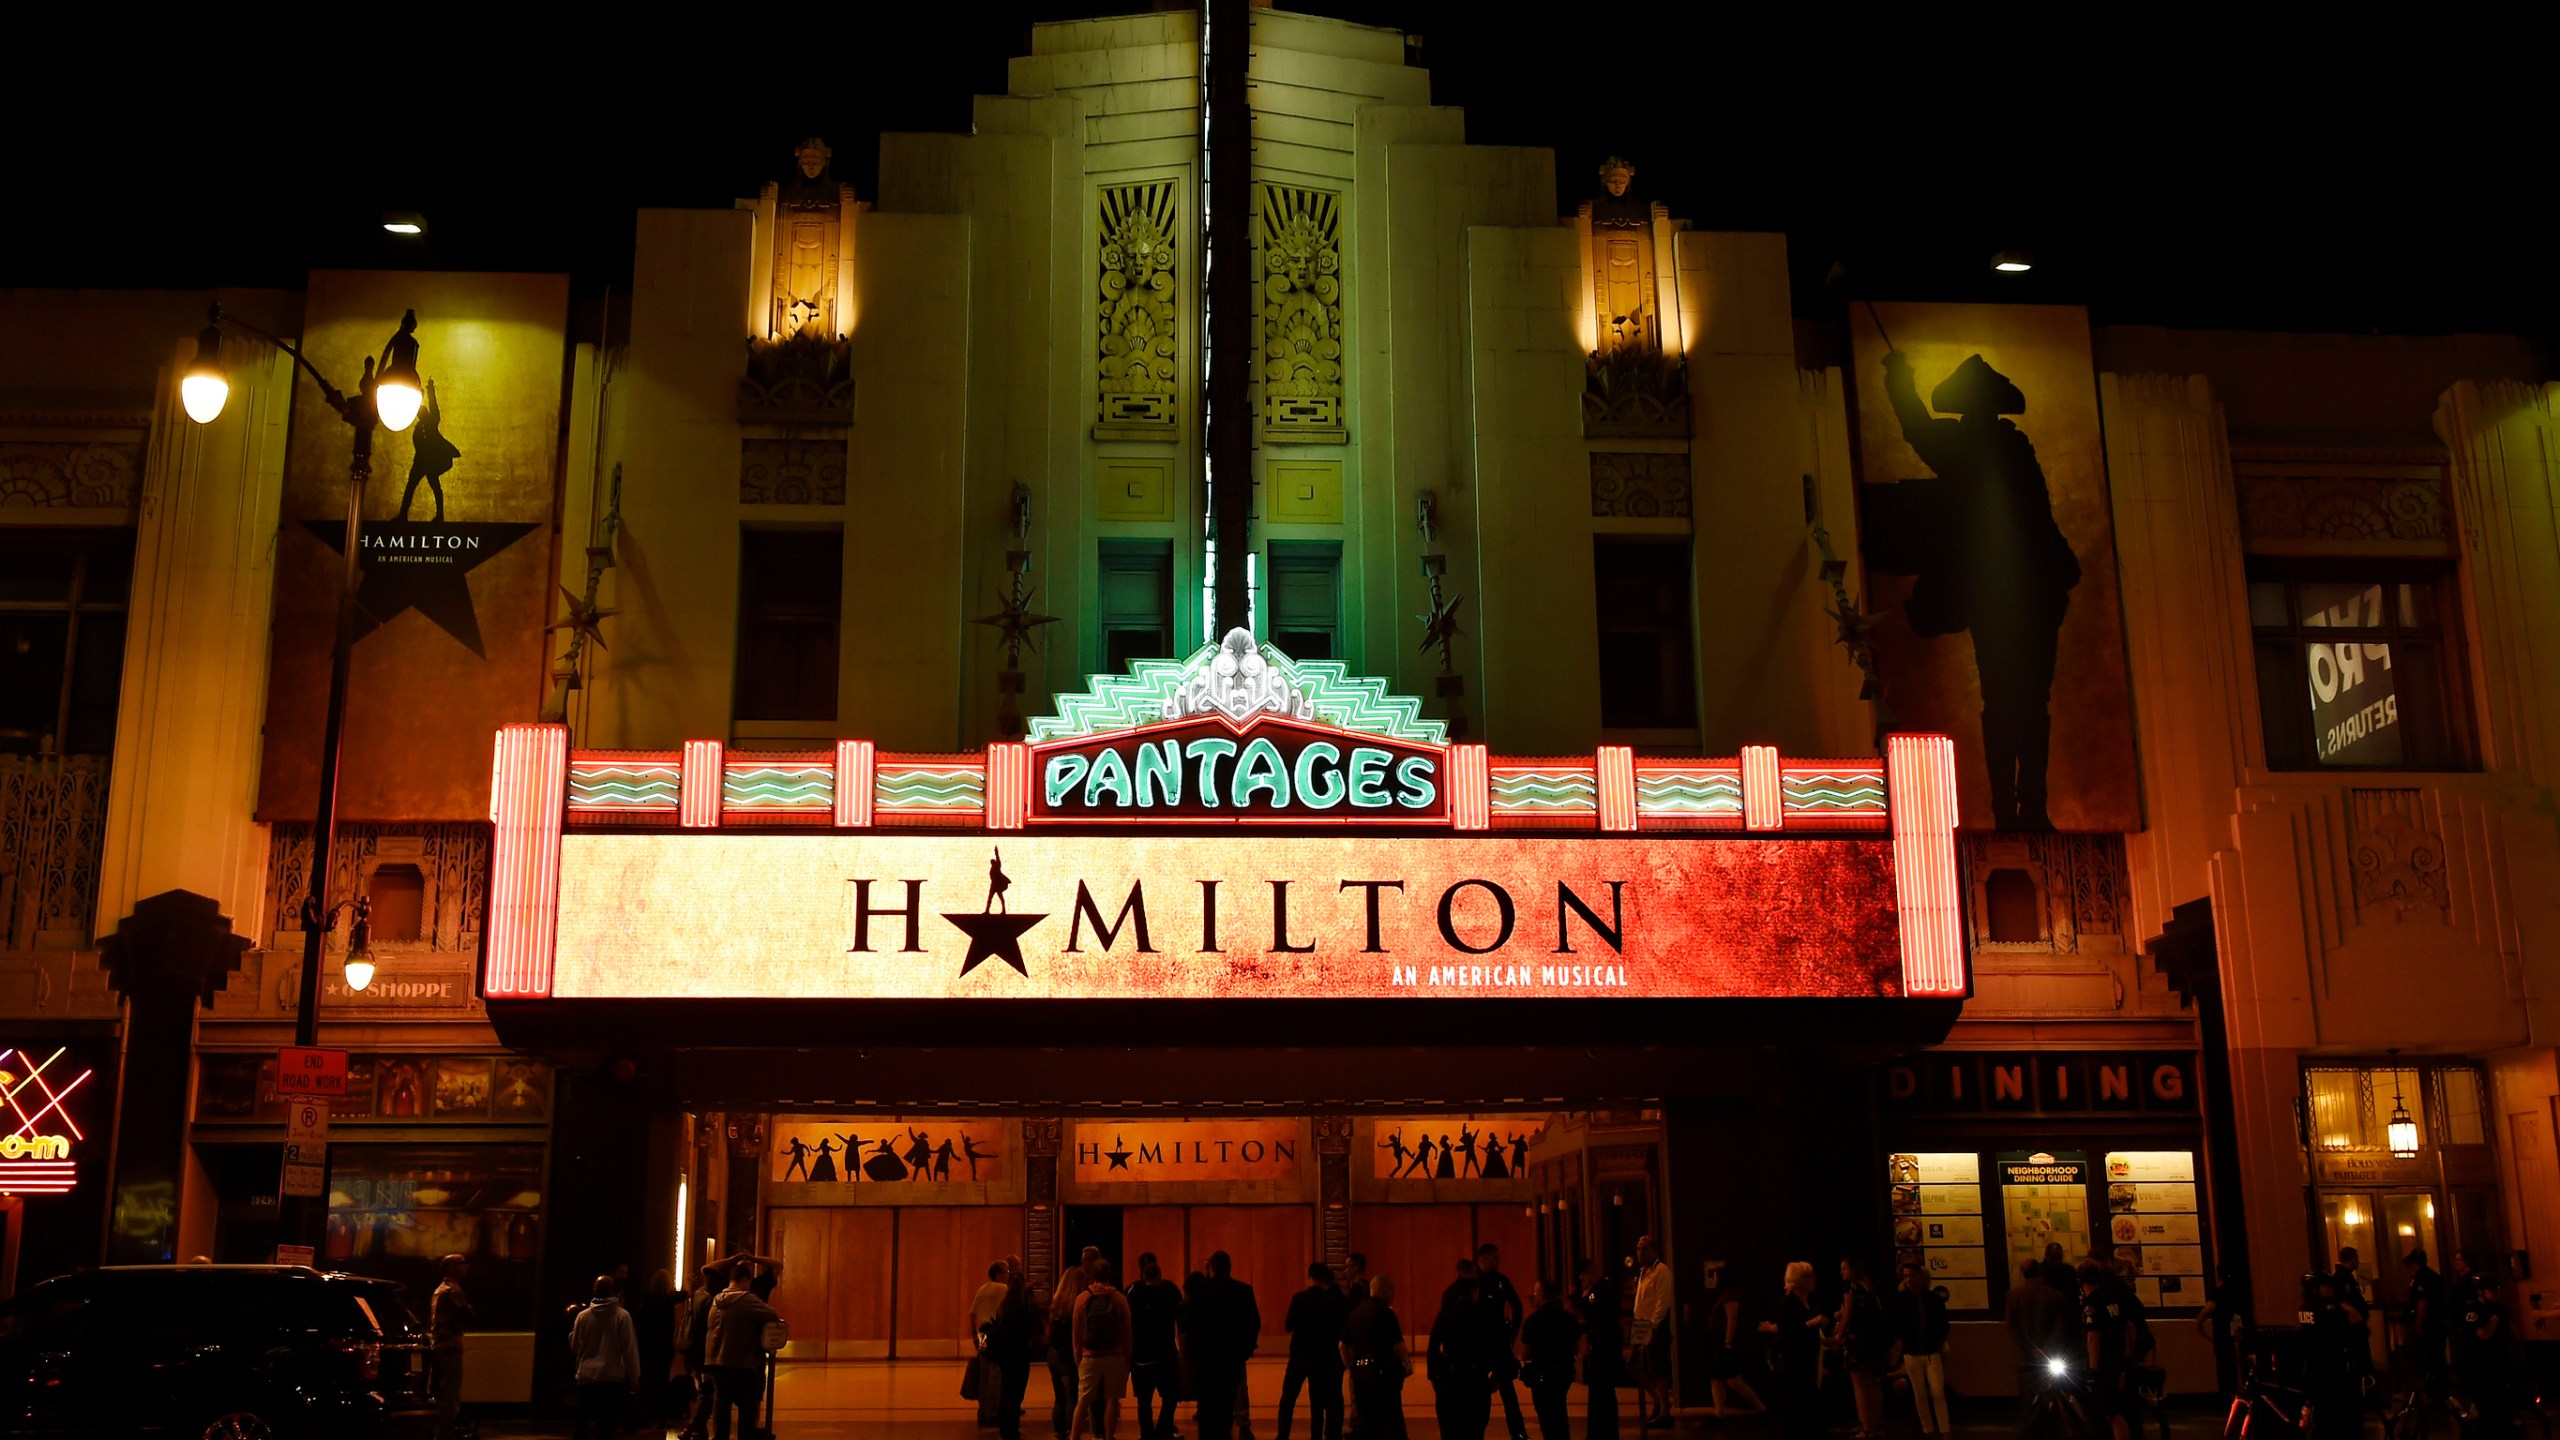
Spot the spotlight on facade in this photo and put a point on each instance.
(204, 387)
(404, 222)
(2013, 262)
(397, 391)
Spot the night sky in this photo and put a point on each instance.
(2165, 169)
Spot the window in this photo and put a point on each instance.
(790, 608)
(62, 599)
(1646, 656)
(2015, 909)
(2350, 1106)
(1306, 599)
(2356, 671)
(1137, 602)
(398, 896)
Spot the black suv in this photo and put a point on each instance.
(225, 1352)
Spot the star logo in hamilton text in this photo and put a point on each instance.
(422, 565)
(993, 937)
(1118, 1154)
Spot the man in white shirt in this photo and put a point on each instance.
(1649, 1337)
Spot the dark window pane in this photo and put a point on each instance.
(97, 677)
(1306, 598)
(2381, 695)
(35, 566)
(32, 649)
(2267, 604)
(2335, 607)
(398, 894)
(1647, 656)
(790, 602)
(1135, 581)
(2281, 705)
(2015, 912)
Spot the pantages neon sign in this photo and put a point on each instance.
(1227, 813)
(37, 1133)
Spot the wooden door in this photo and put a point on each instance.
(1157, 1229)
(1418, 1247)
(1515, 1229)
(861, 1251)
(942, 1258)
(802, 1239)
(1268, 1247)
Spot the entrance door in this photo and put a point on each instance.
(943, 1254)
(1268, 1247)
(1100, 1227)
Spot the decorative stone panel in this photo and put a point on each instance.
(53, 814)
(1301, 246)
(1137, 338)
(452, 859)
(2399, 862)
(2081, 881)
(2312, 506)
(65, 474)
(791, 472)
(1647, 487)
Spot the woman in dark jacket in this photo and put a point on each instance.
(1019, 1331)
(656, 1323)
(1797, 1338)
(1603, 1339)
(1460, 1366)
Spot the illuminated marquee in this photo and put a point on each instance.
(36, 1145)
(1245, 827)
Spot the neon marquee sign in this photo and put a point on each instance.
(37, 1132)
(1235, 825)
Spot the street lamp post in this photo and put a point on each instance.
(388, 394)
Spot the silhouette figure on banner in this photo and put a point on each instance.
(1421, 1158)
(997, 883)
(1989, 558)
(919, 1156)
(852, 1157)
(1466, 1152)
(884, 1164)
(970, 1152)
(430, 455)
(942, 1154)
(1469, 1157)
(1519, 1154)
(1394, 1146)
(1448, 1168)
(825, 1169)
(1494, 1168)
(799, 1159)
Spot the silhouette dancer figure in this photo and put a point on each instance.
(1448, 1161)
(825, 1169)
(852, 1156)
(883, 1164)
(1519, 1154)
(942, 1160)
(1990, 560)
(1494, 1169)
(799, 1159)
(1422, 1158)
(997, 884)
(970, 1152)
(1394, 1145)
(430, 455)
(1467, 1149)
(919, 1156)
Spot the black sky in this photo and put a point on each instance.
(2166, 169)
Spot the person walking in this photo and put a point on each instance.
(1919, 1318)
(607, 1345)
(2033, 1316)
(1459, 1364)
(1649, 1336)
(1603, 1344)
(1314, 1323)
(980, 1382)
(2423, 1316)
(1061, 1349)
(1102, 1354)
(1502, 1313)
(1373, 1351)
(1225, 1326)
(1551, 1336)
(1797, 1337)
(1727, 1344)
(1155, 1361)
(1015, 1335)
(448, 1313)
(736, 1351)
(2478, 1345)
(1354, 1277)
(655, 1321)
(694, 1339)
(1862, 1336)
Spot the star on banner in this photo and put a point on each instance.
(994, 937)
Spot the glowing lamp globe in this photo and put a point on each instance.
(204, 388)
(2404, 1133)
(397, 391)
(359, 972)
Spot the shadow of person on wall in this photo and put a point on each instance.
(1989, 558)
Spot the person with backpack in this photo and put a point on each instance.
(608, 1349)
(1102, 1353)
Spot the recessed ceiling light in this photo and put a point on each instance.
(2013, 262)
(404, 222)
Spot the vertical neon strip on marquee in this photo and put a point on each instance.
(1008, 784)
(1616, 767)
(699, 805)
(528, 787)
(1763, 806)
(1470, 789)
(1920, 779)
(856, 770)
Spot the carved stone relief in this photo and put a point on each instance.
(1301, 314)
(1136, 339)
(61, 474)
(452, 859)
(2081, 879)
(2341, 507)
(53, 815)
(2399, 862)
(1641, 486)
(791, 472)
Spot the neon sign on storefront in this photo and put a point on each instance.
(37, 1132)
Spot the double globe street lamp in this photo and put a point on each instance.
(388, 396)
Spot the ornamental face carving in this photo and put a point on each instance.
(1301, 314)
(2398, 862)
(1136, 338)
(1238, 684)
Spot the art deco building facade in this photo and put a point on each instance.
(861, 501)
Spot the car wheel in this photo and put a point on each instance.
(238, 1425)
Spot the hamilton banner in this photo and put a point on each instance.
(1301, 916)
(1990, 556)
(455, 585)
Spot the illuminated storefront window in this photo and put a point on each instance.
(2355, 673)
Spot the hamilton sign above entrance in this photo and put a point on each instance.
(1238, 826)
